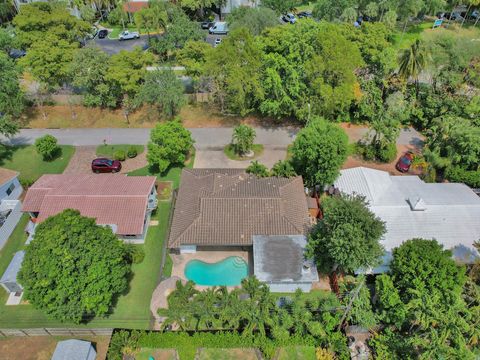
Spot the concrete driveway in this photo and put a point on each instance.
(114, 46)
(216, 158)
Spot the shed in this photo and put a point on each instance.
(9, 277)
(279, 261)
(313, 208)
(74, 350)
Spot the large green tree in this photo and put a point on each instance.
(170, 143)
(164, 90)
(73, 269)
(348, 237)
(319, 151)
(233, 69)
(11, 96)
(254, 19)
(37, 20)
(88, 72)
(49, 59)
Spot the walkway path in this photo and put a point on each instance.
(159, 298)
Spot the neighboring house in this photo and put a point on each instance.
(227, 210)
(70, 6)
(74, 350)
(411, 208)
(133, 6)
(9, 277)
(10, 206)
(123, 202)
(230, 5)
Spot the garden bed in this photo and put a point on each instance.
(227, 354)
(109, 150)
(230, 152)
(164, 190)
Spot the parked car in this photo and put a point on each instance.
(405, 161)
(127, 35)
(102, 34)
(304, 14)
(289, 18)
(217, 42)
(17, 53)
(475, 14)
(207, 24)
(219, 28)
(104, 165)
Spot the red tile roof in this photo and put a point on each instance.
(110, 199)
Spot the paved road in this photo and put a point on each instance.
(205, 138)
(113, 46)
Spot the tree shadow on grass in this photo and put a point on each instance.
(6, 152)
(55, 156)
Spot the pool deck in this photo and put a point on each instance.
(181, 260)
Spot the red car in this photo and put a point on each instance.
(106, 165)
(405, 161)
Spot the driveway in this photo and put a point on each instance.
(112, 47)
(215, 158)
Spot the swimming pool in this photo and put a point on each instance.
(228, 272)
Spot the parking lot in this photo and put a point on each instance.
(112, 47)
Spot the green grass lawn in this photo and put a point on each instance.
(14, 244)
(109, 150)
(227, 354)
(414, 32)
(296, 353)
(30, 164)
(172, 174)
(232, 155)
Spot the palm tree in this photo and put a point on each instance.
(412, 62)
(242, 139)
(283, 168)
(257, 169)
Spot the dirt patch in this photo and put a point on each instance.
(42, 347)
(164, 190)
(193, 116)
(227, 354)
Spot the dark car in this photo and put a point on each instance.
(207, 24)
(405, 161)
(102, 34)
(304, 14)
(103, 165)
(17, 53)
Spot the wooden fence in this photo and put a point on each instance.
(56, 332)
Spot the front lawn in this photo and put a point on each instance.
(109, 150)
(30, 164)
(232, 155)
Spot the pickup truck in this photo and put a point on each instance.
(127, 35)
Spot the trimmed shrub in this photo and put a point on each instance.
(47, 146)
(135, 253)
(132, 152)
(26, 183)
(387, 154)
(458, 174)
(119, 155)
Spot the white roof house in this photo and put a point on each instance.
(411, 208)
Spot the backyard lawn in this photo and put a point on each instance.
(109, 150)
(297, 353)
(30, 164)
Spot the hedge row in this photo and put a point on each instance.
(187, 345)
(469, 177)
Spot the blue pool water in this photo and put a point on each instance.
(228, 272)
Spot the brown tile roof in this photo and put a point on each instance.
(134, 6)
(7, 175)
(228, 207)
(110, 199)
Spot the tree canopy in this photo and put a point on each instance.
(348, 237)
(255, 19)
(319, 151)
(170, 143)
(11, 96)
(73, 269)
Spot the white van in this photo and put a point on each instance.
(219, 28)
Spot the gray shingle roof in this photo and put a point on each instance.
(451, 212)
(228, 206)
(74, 350)
(10, 274)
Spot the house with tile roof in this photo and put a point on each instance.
(124, 203)
(411, 208)
(228, 209)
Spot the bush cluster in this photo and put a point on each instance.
(371, 152)
(458, 174)
(119, 155)
(132, 152)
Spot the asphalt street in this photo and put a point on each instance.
(114, 46)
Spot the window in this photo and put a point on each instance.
(10, 189)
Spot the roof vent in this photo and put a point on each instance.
(417, 204)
